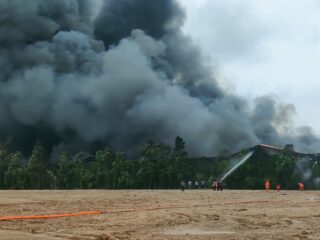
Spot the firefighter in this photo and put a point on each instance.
(214, 186)
(301, 186)
(182, 186)
(202, 184)
(267, 185)
(196, 184)
(219, 185)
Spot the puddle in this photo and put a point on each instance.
(195, 231)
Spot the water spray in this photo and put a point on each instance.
(241, 161)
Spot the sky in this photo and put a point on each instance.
(263, 47)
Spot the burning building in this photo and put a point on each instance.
(250, 167)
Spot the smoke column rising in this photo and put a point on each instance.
(74, 78)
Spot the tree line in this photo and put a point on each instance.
(157, 167)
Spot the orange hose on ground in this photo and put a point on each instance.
(50, 216)
(132, 210)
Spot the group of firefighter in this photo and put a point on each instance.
(196, 185)
(217, 185)
(278, 186)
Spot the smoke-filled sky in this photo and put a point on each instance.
(82, 74)
(263, 47)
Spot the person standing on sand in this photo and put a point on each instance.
(219, 185)
(190, 184)
(267, 185)
(182, 186)
(196, 185)
(202, 184)
(214, 186)
(278, 187)
(301, 186)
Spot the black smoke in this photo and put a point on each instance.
(155, 18)
(78, 74)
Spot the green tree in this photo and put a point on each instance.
(104, 159)
(4, 164)
(163, 166)
(284, 174)
(120, 173)
(147, 165)
(153, 165)
(15, 176)
(65, 171)
(39, 177)
(179, 157)
(83, 176)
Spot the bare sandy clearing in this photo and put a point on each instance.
(164, 214)
(188, 230)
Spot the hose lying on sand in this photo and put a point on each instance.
(50, 216)
(8, 218)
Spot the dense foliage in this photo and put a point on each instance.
(156, 167)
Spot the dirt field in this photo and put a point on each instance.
(195, 214)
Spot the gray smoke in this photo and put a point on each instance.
(304, 167)
(74, 78)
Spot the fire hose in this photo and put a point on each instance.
(50, 216)
(10, 218)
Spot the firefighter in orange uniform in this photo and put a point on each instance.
(267, 185)
(301, 186)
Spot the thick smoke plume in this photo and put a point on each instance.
(75, 77)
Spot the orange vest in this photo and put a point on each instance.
(301, 186)
(267, 185)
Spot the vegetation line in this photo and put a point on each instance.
(156, 166)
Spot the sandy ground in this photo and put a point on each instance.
(195, 214)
